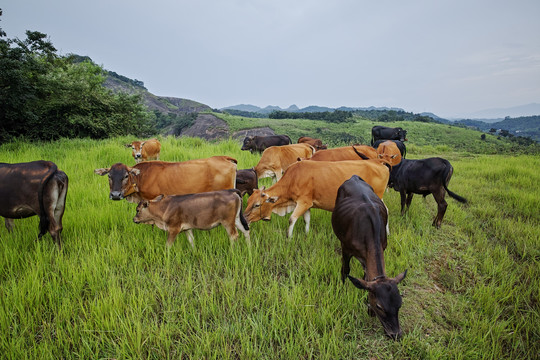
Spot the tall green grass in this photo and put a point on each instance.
(116, 291)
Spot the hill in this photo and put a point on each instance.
(527, 126)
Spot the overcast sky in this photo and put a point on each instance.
(447, 57)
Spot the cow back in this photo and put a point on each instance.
(345, 153)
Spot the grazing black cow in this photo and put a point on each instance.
(260, 143)
(359, 221)
(426, 176)
(399, 143)
(386, 133)
(246, 181)
(34, 188)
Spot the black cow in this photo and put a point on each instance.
(34, 188)
(401, 146)
(386, 133)
(427, 176)
(260, 143)
(359, 221)
(246, 181)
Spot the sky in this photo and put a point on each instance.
(451, 58)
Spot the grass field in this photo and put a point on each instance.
(116, 291)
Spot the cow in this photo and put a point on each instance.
(145, 150)
(316, 143)
(345, 153)
(276, 159)
(389, 152)
(203, 211)
(308, 184)
(34, 188)
(386, 133)
(401, 146)
(246, 181)
(148, 179)
(358, 220)
(260, 143)
(426, 176)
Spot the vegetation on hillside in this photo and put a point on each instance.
(522, 128)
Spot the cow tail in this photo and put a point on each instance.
(290, 141)
(447, 174)
(242, 218)
(233, 160)
(43, 217)
(364, 157)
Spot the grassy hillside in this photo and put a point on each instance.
(116, 291)
(423, 137)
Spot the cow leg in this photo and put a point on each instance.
(189, 234)
(409, 199)
(9, 224)
(231, 231)
(307, 218)
(345, 265)
(441, 207)
(403, 198)
(300, 209)
(172, 236)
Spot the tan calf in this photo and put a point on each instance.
(145, 150)
(276, 159)
(345, 153)
(204, 211)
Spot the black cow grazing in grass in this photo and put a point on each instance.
(386, 133)
(34, 188)
(260, 143)
(246, 181)
(427, 176)
(401, 146)
(359, 221)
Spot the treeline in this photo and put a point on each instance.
(44, 96)
(336, 116)
(392, 115)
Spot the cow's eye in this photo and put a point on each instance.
(256, 205)
(380, 307)
(126, 176)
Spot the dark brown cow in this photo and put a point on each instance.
(426, 176)
(316, 143)
(204, 211)
(246, 181)
(148, 179)
(145, 150)
(260, 143)
(34, 188)
(358, 221)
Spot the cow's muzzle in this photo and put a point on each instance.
(116, 195)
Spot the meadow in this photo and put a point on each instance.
(115, 290)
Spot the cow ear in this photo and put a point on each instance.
(102, 171)
(263, 188)
(128, 145)
(393, 156)
(272, 200)
(359, 283)
(400, 277)
(380, 156)
(145, 203)
(142, 144)
(157, 198)
(134, 171)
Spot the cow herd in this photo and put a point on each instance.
(348, 181)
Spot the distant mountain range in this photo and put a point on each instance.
(497, 114)
(294, 108)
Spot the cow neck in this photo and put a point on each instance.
(278, 190)
(375, 267)
(133, 188)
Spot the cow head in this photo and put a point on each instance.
(248, 143)
(401, 134)
(121, 180)
(384, 300)
(259, 206)
(144, 214)
(136, 146)
(389, 153)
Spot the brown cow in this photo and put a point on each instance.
(345, 153)
(276, 159)
(34, 188)
(145, 150)
(308, 184)
(246, 181)
(204, 211)
(389, 152)
(358, 222)
(316, 143)
(148, 179)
